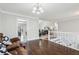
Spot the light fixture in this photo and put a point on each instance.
(37, 9)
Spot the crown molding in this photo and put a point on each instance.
(17, 14)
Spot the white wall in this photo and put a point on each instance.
(8, 25)
(0, 23)
(72, 27)
(69, 25)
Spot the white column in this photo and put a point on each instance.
(32, 29)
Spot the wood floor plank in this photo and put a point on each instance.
(49, 48)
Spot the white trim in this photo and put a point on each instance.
(16, 14)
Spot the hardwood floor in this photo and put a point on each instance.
(45, 47)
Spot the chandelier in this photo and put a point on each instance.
(37, 9)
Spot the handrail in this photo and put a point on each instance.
(69, 39)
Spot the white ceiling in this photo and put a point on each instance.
(52, 11)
